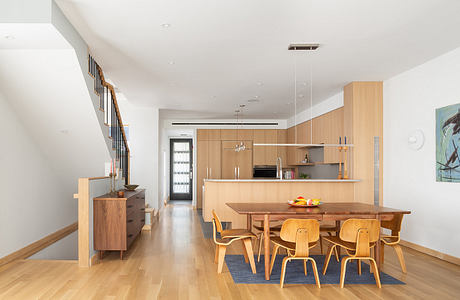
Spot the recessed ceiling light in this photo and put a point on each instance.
(253, 100)
(165, 25)
(9, 37)
(260, 83)
(304, 83)
(171, 63)
(242, 105)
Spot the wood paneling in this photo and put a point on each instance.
(229, 160)
(259, 151)
(270, 136)
(208, 134)
(219, 193)
(214, 159)
(244, 160)
(245, 134)
(202, 169)
(228, 135)
(282, 150)
(363, 122)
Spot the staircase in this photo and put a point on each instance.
(112, 118)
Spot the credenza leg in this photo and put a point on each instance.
(121, 254)
(101, 253)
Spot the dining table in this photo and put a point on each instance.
(330, 211)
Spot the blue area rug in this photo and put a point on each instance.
(241, 272)
(206, 227)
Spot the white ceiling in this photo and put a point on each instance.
(217, 54)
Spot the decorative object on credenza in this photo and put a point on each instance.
(113, 175)
(340, 158)
(131, 187)
(448, 143)
(121, 194)
(345, 169)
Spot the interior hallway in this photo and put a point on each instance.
(175, 261)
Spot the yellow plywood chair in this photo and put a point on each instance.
(227, 237)
(393, 239)
(357, 237)
(297, 236)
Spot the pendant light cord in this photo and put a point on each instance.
(295, 99)
(311, 101)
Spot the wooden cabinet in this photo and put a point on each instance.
(208, 165)
(118, 221)
(236, 165)
(265, 155)
(333, 123)
(281, 151)
(228, 135)
(208, 134)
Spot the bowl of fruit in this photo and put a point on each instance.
(302, 202)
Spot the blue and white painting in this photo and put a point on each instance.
(448, 143)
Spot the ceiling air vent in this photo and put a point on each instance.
(303, 46)
(224, 123)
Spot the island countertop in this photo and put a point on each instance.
(284, 180)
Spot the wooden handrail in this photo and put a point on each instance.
(102, 87)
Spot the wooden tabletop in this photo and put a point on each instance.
(331, 208)
(114, 196)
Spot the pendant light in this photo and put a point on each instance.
(239, 146)
(303, 47)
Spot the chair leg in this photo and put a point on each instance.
(382, 252)
(337, 256)
(220, 262)
(376, 273)
(283, 270)
(343, 271)
(275, 251)
(245, 252)
(358, 263)
(248, 246)
(315, 271)
(305, 266)
(328, 257)
(216, 256)
(321, 243)
(261, 238)
(399, 253)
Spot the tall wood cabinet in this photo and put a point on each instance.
(208, 159)
(236, 165)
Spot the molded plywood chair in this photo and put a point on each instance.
(226, 238)
(393, 239)
(297, 236)
(357, 237)
(260, 236)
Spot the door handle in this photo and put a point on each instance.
(207, 173)
(238, 172)
(235, 173)
(210, 172)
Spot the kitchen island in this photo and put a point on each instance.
(218, 192)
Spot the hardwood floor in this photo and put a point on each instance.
(174, 261)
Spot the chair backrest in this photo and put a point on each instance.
(291, 226)
(394, 225)
(217, 222)
(350, 228)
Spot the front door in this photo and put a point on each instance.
(181, 169)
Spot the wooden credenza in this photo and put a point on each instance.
(118, 221)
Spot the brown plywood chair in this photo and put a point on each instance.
(357, 237)
(393, 239)
(227, 237)
(297, 236)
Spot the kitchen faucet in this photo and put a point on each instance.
(279, 170)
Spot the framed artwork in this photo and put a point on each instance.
(448, 143)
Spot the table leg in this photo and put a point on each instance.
(337, 233)
(377, 250)
(267, 246)
(249, 222)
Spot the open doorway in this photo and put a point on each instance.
(181, 169)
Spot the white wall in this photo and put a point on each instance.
(34, 201)
(410, 100)
(143, 146)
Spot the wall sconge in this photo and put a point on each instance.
(416, 139)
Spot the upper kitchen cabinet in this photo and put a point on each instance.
(265, 155)
(208, 134)
(281, 138)
(333, 129)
